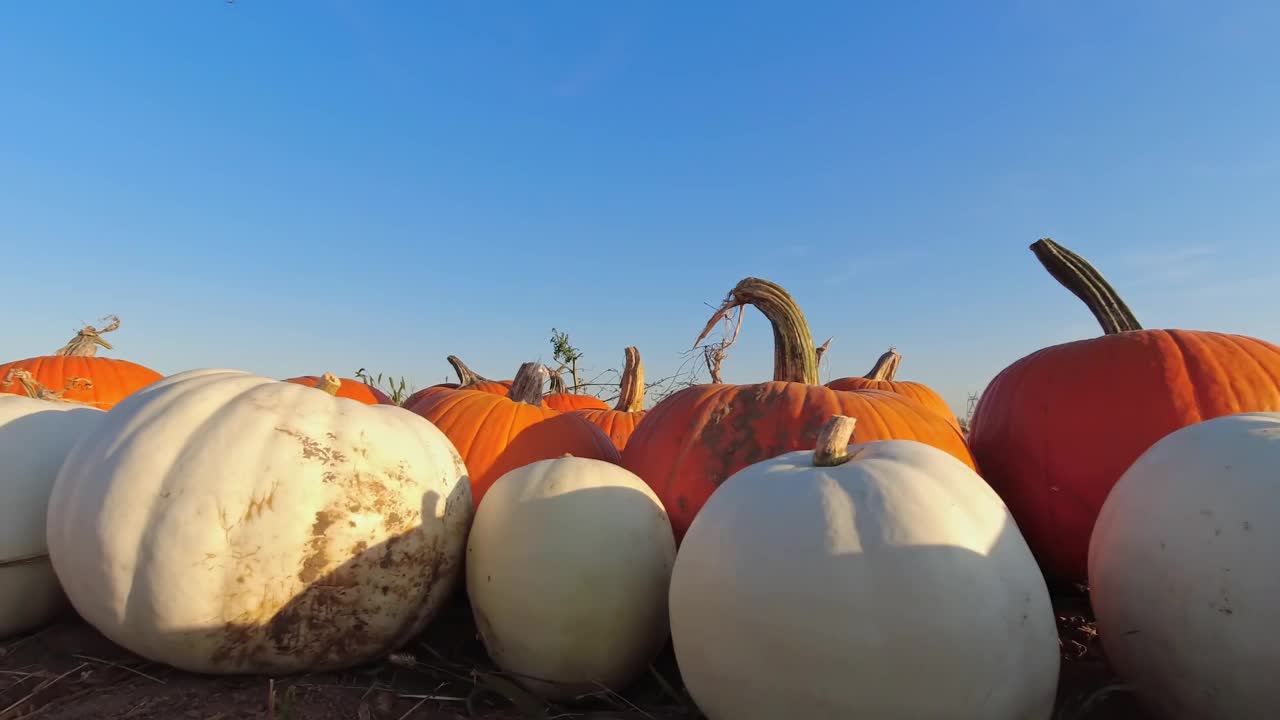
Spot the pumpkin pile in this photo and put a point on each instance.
(808, 550)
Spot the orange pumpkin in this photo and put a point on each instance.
(881, 378)
(347, 388)
(564, 401)
(696, 438)
(76, 374)
(1056, 429)
(467, 378)
(497, 433)
(620, 421)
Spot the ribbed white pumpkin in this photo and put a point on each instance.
(1183, 571)
(568, 567)
(223, 522)
(894, 586)
(35, 436)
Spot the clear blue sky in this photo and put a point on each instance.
(289, 187)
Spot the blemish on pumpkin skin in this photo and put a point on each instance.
(257, 507)
(331, 620)
(315, 561)
(313, 450)
(224, 522)
(731, 433)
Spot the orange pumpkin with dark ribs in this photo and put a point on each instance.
(467, 378)
(75, 373)
(347, 388)
(693, 440)
(1055, 430)
(497, 433)
(564, 401)
(881, 377)
(620, 421)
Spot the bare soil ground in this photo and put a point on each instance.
(70, 672)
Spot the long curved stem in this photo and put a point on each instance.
(794, 357)
(1077, 275)
(466, 376)
(631, 388)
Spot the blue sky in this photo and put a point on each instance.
(288, 187)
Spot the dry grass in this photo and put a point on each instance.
(68, 672)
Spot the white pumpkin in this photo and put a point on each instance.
(568, 567)
(890, 582)
(35, 436)
(1182, 571)
(223, 522)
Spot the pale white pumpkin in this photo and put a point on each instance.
(568, 567)
(223, 522)
(1182, 571)
(890, 583)
(35, 436)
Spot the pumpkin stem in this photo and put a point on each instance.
(821, 350)
(527, 385)
(466, 376)
(833, 441)
(89, 338)
(329, 383)
(631, 387)
(1077, 275)
(886, 367)
(556, 381)
(34, 389)
(794, 357)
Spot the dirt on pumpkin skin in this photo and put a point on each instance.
(70, 672)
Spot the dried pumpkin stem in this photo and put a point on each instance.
(833, 441)
(556, 382)
(631, 387)
(33, 388)
(466, 376)
(24, 380)
(88, 339)
(1077, 275)
(821, 350)
(886, 367)
(329, 383)
(794, 357)
(527, 385)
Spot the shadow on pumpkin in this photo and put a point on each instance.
(30, 595)
(369, 606)
(947, 629)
